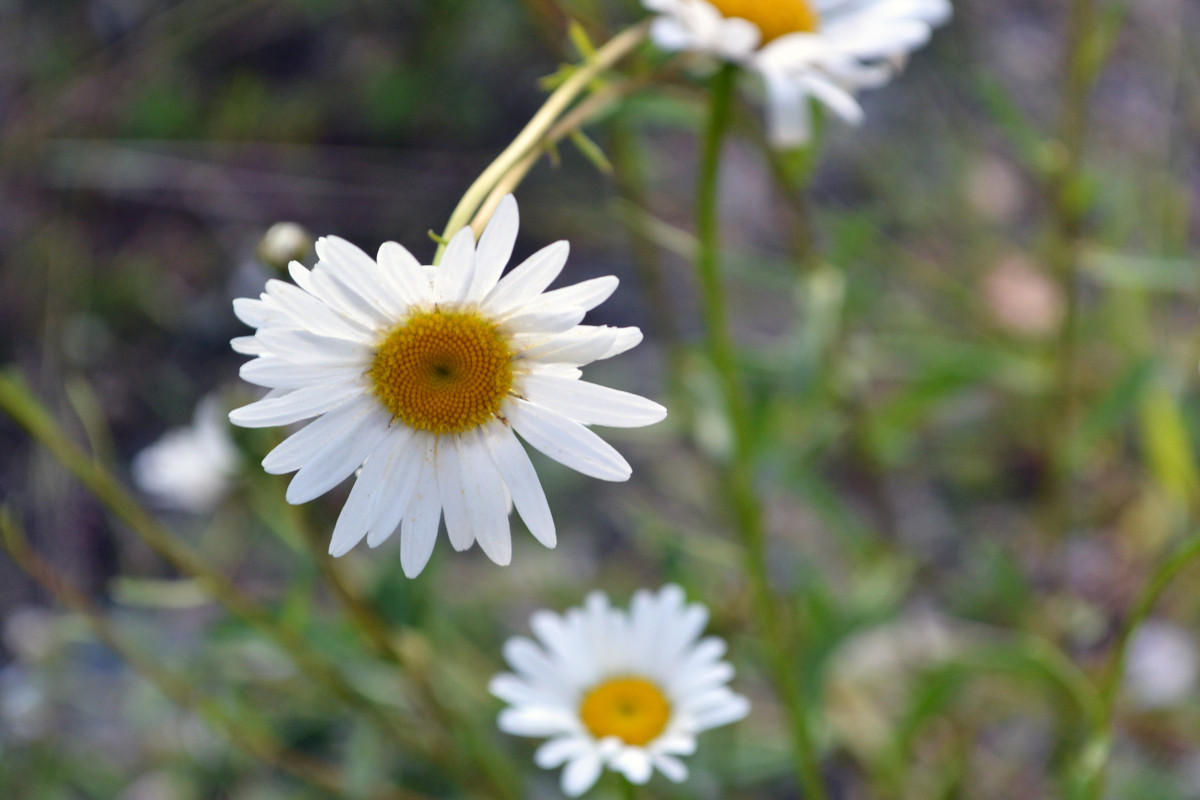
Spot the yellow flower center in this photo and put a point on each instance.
(774, 18)
(443, 371)
(632, 709)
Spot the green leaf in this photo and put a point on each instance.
(592, 152)
(1168, 447)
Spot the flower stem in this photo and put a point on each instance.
(740, 483)
(530, 138)
(1094, 760)
(498, 774)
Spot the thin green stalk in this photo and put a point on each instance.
(1064, 186)
(476, 750)
(19, 403)
(1094, 761)
(743, 495)
(246, 731)
(530, 138)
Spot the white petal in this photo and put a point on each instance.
(253, 312)
(739, 39)
(419, 532)
(836, 99)
(567, 442)
(544, 320)
(734, 708)
(357, 271)
(402, 475)
(513, 690)
(789, 122)
(532, 662)
(495, 248)
(484, 497)
(451, 494)
(558, 751)
(321, 282)
(587, 295)
(309, 313)
(529, 279)
(276, 373)
(294, 406)
(457, 269)
(581, 774)
(247, 346)
(537, 721)
(336, 461)
(371, 485)
(674, 769)
(634, 764)
(581, 345)
(627, 339)
(590, 403)
(298, 449)
(403, 269)
(303, 347)
(522, 481)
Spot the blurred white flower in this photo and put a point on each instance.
(283, 243)
(190, 468)
(623, 690)
(821, 49)
(424, 376)
(1161, 665)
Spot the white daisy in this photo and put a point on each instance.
(189, 468)
(420, 375)
(627, 691)
(823, 49)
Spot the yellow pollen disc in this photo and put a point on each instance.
(443, 371)
(774, 18)
(632, 709)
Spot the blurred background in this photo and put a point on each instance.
(925, 502)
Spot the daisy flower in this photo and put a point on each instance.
(823, 49)
(623, 690)
(421, 376)
(189, 468)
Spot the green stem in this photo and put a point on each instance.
(1095, 757)
(1065, 229)
(530, 138)
(740, 483)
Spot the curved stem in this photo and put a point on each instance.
(596, 104)
(1095, 757)
(740, 483)
(530, 138)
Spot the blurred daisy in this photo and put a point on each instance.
(421, 375)
(627, 691)
(823, 49)
(189, 468)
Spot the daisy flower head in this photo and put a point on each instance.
(626, 690)
(422, 376)
(826, 50)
